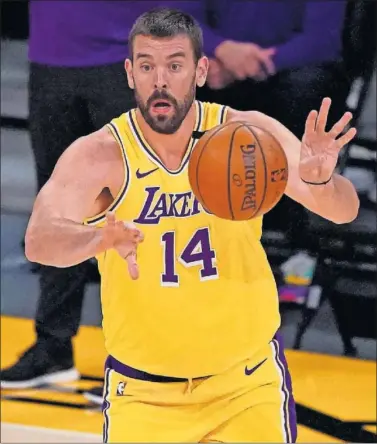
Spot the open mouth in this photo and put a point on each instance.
(161, 106)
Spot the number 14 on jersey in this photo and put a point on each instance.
(197, 252)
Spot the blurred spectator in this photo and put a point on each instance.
(280, 58)
(291, 51)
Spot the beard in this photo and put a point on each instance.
(166, 124)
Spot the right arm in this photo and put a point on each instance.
(55, 234)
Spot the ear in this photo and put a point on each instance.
(202, 71)
(129, 72)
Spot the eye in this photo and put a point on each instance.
(175, 67)
(146, 68)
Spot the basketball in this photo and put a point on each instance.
(238, 171)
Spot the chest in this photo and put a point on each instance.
(158, 198)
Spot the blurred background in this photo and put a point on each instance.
(326, 273)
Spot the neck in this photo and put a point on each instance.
(169, 147)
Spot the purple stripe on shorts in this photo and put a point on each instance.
(289, 403)
(134, 373)
(106, 404)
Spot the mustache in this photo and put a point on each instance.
(163, 95)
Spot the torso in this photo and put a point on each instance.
(206, 297)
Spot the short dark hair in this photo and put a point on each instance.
(167, 22)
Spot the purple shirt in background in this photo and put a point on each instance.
(82, 33)
(79, 33)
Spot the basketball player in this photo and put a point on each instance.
(192, 327)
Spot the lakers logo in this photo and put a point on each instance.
(159, 205)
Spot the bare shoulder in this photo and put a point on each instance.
(98, 148)
(86, 176)
(95, 155)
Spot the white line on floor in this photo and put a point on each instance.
(18, 433)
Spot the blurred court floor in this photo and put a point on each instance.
(336, 395)
(16, 433)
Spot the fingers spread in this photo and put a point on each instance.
(340, 126)
(346, 138)
(323, 114)
(310, 122)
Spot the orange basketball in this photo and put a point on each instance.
(238, 171)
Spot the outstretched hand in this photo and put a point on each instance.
(320, 149)
(124, 238)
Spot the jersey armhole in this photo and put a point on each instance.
(100, 218)
(223, 113)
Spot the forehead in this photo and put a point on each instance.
(161, 46)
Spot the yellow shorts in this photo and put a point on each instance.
(251, 402)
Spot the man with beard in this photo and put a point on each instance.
(192, 329)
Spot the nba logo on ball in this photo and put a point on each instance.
(120, 388)
(278, 175)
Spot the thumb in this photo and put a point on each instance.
(110, 218)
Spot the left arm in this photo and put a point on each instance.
(320, 39)
(313, 160)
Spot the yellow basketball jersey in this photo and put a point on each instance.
(206, 297)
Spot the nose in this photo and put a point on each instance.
(160, 80)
